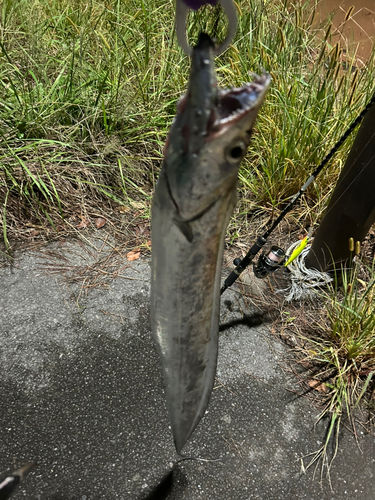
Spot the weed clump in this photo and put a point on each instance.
(341, 351)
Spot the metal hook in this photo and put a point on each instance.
(182, 11)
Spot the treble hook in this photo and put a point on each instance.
(182, 10)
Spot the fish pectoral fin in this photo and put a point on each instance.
(185, 229)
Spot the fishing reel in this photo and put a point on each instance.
(269, 262)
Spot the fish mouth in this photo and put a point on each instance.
(206, 111)
(235, 105)
(226, 108)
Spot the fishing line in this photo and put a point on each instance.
(272, 262)
(356, 177)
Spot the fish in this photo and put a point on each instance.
(193, 201)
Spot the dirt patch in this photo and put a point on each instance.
(356, 34)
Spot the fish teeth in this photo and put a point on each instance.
(231, 117)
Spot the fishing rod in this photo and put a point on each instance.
(276, 257)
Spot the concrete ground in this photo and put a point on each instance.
(81, 393)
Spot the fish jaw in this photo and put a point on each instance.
(193, 202)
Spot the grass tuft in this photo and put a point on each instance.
(342, 350)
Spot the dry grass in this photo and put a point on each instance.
(334, 344)
(64, 190)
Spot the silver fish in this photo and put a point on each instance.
(194, 199)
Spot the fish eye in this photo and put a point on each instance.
(236, 152)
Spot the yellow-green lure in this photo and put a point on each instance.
(297, 251)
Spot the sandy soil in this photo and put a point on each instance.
(357, 33)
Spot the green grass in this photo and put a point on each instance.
(310, 104)
(88, 90)
(341, 351)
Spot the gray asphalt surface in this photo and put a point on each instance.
(81, 393)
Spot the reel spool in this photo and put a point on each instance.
(269, 262)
